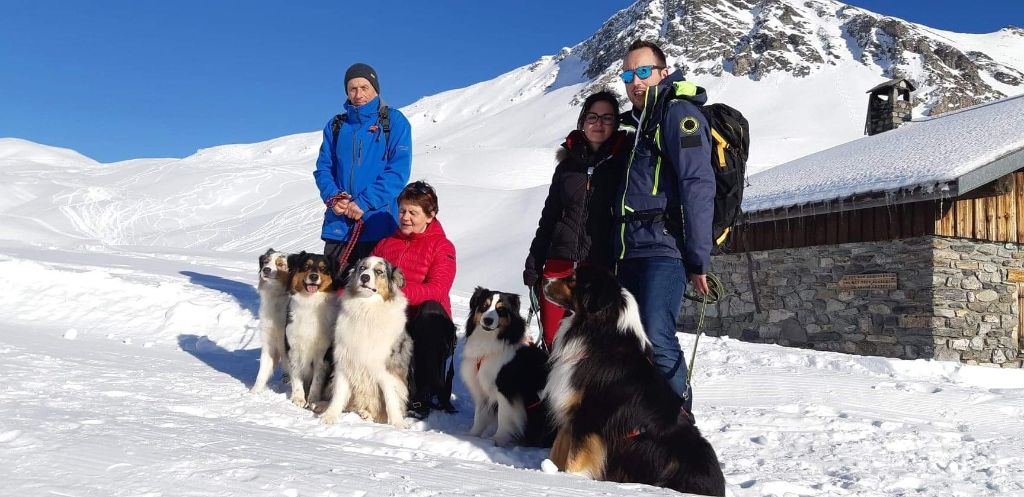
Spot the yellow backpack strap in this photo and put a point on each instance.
(720, 146)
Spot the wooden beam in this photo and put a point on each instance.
(980, 226)
(1018, 190)
(992, 218)
(965, 218)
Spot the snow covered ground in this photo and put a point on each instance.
(126, 373)
(129, 337)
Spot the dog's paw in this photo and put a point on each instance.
(503, 441)
(365, 415)
(548, 466)
(330, 418)
(299, 400)
(474, 431)
(257, 389)
(319, 407)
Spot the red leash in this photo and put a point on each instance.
(351, 245)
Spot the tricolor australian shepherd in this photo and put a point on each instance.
(273, 290)
(617, 417)
(504, 374)
(372, 351)
(312, 310)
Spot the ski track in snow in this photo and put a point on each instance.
(134, 382)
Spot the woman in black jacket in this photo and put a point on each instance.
(576, 223)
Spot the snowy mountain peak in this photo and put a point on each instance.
(758, 38)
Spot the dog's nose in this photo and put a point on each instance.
(488, 321)
(266, 271)
(365, 278)
(314, 277)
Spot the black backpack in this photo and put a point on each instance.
(730, 144)
(383, 118)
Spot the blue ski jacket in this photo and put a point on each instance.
(373, 170)
(665, 204)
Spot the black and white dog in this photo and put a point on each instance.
(372, 351)
(273, 291)
(504, 374)
(312, 311)
(618, 419)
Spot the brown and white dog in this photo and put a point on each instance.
(618, 419)
(273, 291)
(312, 311)
(372, 350)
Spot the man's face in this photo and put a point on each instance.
(637, 88)
(360, 91)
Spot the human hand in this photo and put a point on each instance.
(339, 208)
(700, 282)
(353, 211)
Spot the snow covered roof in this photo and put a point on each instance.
(947, 155)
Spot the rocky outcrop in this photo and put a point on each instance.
(757, 38)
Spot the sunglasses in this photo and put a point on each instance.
(642, 72)
(606, 119)
(421, 188)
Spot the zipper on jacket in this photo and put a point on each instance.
(632, 157)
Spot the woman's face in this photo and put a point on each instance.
(412, 219)
(595, 125)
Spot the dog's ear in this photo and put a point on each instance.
(294, 260)
(397, 277)
(478, 295)
(513, 302)
(263, 258)
(596, 290)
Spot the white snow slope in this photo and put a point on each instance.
(128, 329)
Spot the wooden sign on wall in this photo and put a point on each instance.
(879, 281)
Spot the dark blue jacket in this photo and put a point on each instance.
(372, 171)
(666, 202)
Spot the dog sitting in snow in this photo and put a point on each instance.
(618, 419)
(312, 310)
(372, 351)
(273, 290)
(504, 374)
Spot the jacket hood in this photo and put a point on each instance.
(363, 113)
(577, 146)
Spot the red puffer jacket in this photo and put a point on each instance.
(428, 261)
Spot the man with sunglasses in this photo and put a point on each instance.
(665, 203)
(364, 163)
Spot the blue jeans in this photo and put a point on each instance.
(658, 284)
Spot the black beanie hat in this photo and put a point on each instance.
(360, 70)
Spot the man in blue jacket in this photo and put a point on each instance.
(363, 165)
(666, 202)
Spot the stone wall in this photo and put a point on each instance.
(953, 300)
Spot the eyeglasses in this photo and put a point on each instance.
(642, 72)
(606, 119)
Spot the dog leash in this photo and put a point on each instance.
(350, 246)
(715, 292)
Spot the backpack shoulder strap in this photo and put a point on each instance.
(384, 118)
(335, 129)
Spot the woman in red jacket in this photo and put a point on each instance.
(427, 258)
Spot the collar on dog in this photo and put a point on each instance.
(480, 361)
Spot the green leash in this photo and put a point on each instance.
(715, 292)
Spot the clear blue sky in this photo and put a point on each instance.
(131, 78)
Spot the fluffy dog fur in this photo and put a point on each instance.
(617, 416)
(273, 291)
(504, 375)
(372, 351)
(312, 310)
